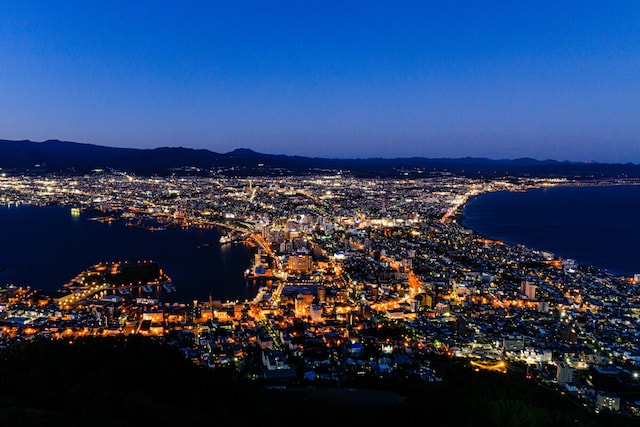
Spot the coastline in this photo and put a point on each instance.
(197, 273)
(462, 219)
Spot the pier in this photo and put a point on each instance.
(115, 277)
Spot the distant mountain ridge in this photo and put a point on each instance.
(72, 157)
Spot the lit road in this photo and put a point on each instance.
(255, 236)
(497, 366)
(460, 201)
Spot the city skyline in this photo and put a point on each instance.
(543, 80)
(351, 283)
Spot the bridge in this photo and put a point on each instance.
(260, 241)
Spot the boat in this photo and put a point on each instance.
(225, 239)
(107, 219)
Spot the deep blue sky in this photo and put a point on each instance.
(544, 79)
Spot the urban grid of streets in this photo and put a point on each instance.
(360, 278)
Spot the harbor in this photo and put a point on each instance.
(74, 243)
(117, 278)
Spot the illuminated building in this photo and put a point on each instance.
(608, 402)
(315, 312)
(528, 290)
(303, 305)
(300, 263)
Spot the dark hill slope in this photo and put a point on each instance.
(133, 381)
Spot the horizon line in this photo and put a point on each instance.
(246, 149)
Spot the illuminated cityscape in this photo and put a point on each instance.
(358, 279)
(319, 213)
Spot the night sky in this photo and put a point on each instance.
(352, 79)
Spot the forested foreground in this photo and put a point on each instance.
(134, 381)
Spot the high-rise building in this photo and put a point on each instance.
(315, 312)
(564, 373)
(302, 305)
(322, 294)
(528, 290)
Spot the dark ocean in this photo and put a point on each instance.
(596, 225)
(44, 247)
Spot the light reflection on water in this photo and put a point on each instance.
(44, 247)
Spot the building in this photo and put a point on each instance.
(564, 374)
(315, 312)
(528, 290)
(322, 294)
(568, 334)
(513, 343)
(274, 359)
(607, 402)
(300, 263)
(302, 305)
